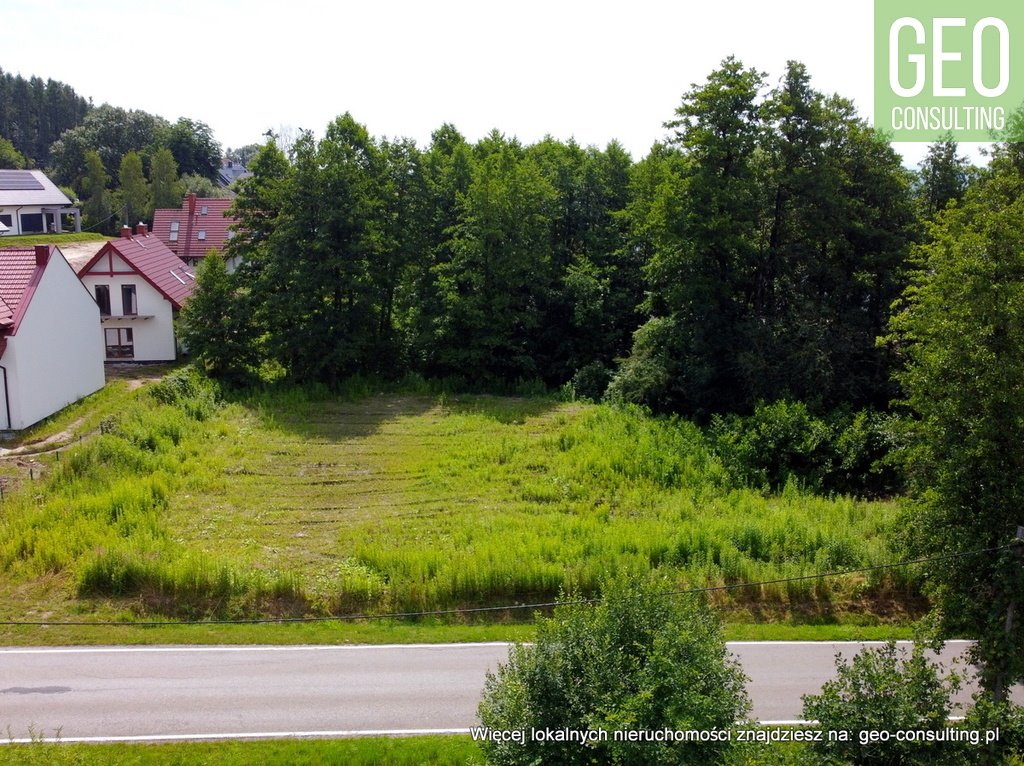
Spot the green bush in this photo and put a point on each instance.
(883, 690)
(591, 381)
(187, 389)
(636, 661)
(778, 443)
(865, 446)
(1009, 720)
(645, 377)
(784, 442)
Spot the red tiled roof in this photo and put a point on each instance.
(19, 274)
(213, 224)
(154, 262)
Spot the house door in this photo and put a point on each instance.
(120, 343)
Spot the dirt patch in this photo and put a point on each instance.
(138, 375)
(49, 444)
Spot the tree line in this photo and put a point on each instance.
(33, 114)
(752, 256)
(123, 164)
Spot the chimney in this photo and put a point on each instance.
(141, 230)
(192, 203)
(42, 254)
(126, 232)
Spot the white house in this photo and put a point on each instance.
(30, 203)
(139, 286)
(50, 345)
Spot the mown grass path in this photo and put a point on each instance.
(297, 503)
(405, 502)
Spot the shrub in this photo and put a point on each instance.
(1008, 718)
(865, 449)
(779, 442)
(590, 381)
(645, 377)
(187, 390)
(882, 690)
(637, 661)
(783, 442)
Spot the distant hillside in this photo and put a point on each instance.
(34, 113)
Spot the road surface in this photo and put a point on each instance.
(236, 692)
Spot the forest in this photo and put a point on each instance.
(753, 256)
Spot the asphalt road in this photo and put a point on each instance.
(184, 693)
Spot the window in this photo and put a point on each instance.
(129, 306)
(204, 210)
(103, 299)
(174, 231)
(31, 223)
(120, 342)
(201, 234)
(6, 220)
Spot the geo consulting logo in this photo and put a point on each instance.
(948, 66)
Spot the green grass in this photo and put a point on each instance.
(295, 502)
(418, 502)
(390, 632)
(411, 751)
(51, 239)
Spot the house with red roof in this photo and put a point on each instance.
(50, 341)
(198, 226)
(139, 286)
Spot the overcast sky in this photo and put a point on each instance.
(587, 69)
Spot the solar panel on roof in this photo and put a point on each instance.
(18, 180)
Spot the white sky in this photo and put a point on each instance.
(589, 69)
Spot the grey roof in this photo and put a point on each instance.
(231, 171)
(30, 187)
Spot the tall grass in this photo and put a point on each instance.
(300, 501)
(501, 501)
(99, 516)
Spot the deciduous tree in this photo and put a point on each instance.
(216, 325)
(194, 148)
(10, 158)
(961, 333)
(133, 198)
(167, 190)
(943, 174)
(500, 264)
(98, 206)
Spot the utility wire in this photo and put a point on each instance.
(485, 609)
(100, 223)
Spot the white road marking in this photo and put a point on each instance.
(374, 647)
(242, 735)
(953, 642)
(236, 648)
(344, 733)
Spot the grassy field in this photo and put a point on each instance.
(298, 503)
(413, 751)
(50, 239)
